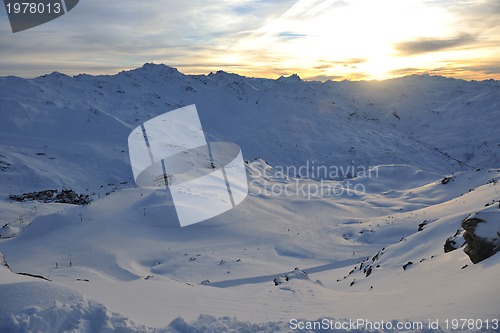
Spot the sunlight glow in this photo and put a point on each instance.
(349, 39)
(312, 34)
(316, 39)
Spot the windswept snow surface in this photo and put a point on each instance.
(356, 184)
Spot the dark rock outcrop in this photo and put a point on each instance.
(407, 265)
(295, 274)
(479, 247)
(454, 242)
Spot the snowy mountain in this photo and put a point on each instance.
(355, 188)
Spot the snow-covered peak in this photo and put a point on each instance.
(55, 74)
(153, 70)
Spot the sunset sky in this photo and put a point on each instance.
(317, 39)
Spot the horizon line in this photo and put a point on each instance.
(117, 71)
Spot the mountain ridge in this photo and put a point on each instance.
(438, 124)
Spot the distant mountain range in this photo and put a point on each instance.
(81, 123)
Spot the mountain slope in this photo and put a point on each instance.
(345, 178)
(81, 123)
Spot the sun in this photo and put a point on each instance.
(324, 38)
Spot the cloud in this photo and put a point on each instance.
(405, 71)
(472, 70)
(311, 8)
(287, 34)
(324, 78)
(349, 62)
(426, 45)
(473, 15)
(116, 34)
(314, 38)
(488, 69)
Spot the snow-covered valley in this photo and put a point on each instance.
(354, 190)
